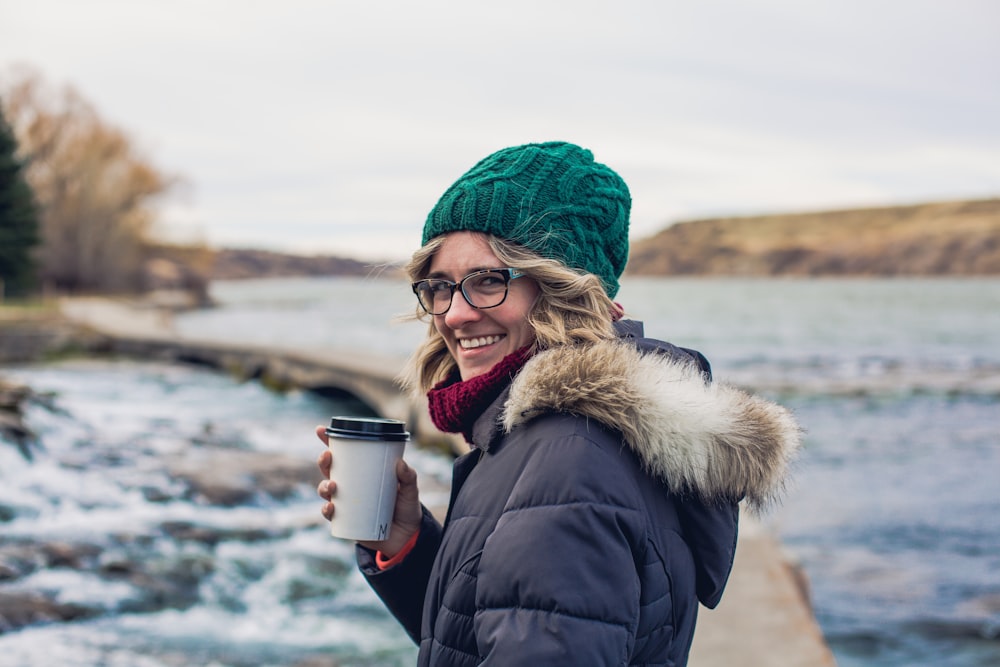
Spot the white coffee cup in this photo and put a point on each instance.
(365, 451)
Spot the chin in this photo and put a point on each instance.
(469, 371)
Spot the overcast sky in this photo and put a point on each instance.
(324, 126)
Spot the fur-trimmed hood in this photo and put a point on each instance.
(705, 438)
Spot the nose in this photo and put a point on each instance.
(460, 313)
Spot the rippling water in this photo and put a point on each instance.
(162, 570)
(895, 513)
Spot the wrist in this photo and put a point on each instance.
(384, 562)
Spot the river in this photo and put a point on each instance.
(894, 512)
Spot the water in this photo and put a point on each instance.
(339, 313)
(894, 514)
(164, 575)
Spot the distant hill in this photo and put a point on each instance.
(948, 238)
(234, 263)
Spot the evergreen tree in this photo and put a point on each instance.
(18, 219)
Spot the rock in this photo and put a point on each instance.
(18, 610)
(160, 583)
(76, 556)
(156, 581)
(235, 477)
(184, 531)
(20, 558)
(12, 426)
(13, 429)
(34, 338)
(7, 513)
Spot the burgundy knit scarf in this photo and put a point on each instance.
(455, 405)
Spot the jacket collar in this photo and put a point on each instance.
(488, 431)
(702, 438)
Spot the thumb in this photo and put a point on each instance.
(407, 477)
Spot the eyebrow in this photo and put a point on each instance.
(443, 275)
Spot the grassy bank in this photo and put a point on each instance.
(948, 238)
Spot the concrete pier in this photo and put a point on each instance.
(764, 620)
(129, 330)
(765, 617)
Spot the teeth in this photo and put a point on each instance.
(470, 343)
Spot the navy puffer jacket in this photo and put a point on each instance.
(597, 506)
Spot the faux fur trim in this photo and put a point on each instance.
(710, 439)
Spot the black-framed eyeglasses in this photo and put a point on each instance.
(481, 290)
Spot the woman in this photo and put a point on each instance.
(599, 501)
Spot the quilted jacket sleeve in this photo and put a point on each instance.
(402, 587)
(558, 582)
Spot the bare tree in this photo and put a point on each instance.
(94, 190)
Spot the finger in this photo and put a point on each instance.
(327, 511)
(326, 489)
(407, 477)
(321, 434)
(405, 474)
(325, 461)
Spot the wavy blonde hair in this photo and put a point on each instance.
(571, 308)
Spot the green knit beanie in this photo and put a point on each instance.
(551, 198)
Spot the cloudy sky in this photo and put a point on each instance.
(327, 126)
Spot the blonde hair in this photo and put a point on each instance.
(571, 308)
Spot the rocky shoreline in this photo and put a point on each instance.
(211, 472)
(216, 477)
(28, 339)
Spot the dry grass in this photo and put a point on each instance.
(961, 238)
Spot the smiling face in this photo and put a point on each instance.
(478, 339)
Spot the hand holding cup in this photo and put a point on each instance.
(353, 498)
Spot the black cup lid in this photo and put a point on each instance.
(374, 428)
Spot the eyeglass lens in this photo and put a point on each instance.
(482, 289)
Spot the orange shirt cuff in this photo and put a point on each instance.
(384, 563)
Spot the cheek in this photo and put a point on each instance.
(521, 331)
(525, 332)
(440, 327)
